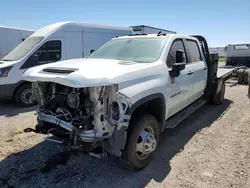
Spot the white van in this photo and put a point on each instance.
(56, 42)
(10, 38)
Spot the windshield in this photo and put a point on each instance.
(135, 49)
(22, 49)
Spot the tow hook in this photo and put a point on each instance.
(98, 153)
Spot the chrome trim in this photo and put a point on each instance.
(86, 136)
(54, 120)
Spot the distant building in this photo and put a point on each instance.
(220, 50)
(10, 37)
(141, 29)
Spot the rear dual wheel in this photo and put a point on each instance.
(240, 75)
(246, 76)
(243, 75)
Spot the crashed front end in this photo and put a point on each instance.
(89, 116)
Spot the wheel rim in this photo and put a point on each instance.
(26, 96)
(146, 143)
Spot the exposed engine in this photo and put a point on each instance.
(68, 104)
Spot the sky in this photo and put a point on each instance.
(220, 21)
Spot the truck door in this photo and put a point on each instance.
(198, 69)
(180, 87)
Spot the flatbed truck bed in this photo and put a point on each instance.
(224, 72)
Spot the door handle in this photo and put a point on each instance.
(190, 73)
(205, 68)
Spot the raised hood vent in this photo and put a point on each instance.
(59, 70)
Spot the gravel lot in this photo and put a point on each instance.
(209, 149)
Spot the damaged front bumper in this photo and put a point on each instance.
(85, 135)
(104, 112)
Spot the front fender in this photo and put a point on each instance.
(147, 99)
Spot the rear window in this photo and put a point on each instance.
(242, 47)
(193, 48)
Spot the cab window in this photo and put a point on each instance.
(49, 52)
(193, 48)
(171, 58)
(242, 47)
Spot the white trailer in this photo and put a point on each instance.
(144, 29)
(10, 38)
(56, 42)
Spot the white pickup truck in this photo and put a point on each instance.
(126, 93)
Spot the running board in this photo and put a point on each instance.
(182, 115)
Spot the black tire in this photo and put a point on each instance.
(245, 76)
(219, 97)
(23, 93)
(130, 158)
(240, 74)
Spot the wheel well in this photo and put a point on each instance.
(20, 85)
(155, 107)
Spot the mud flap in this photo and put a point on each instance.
(117, 142)
(212, 89)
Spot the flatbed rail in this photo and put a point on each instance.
(225, 72)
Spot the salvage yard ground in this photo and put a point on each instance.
(209, 149)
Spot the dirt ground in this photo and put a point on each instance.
(209, 149)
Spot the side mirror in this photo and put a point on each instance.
(91, 51)
(180, 56)
(179, 65)
(34, 58)
(176, 69)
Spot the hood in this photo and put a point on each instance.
(85, 72)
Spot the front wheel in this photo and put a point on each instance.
(23, 96)
(143, 141)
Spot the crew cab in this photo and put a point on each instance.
(126, 93)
